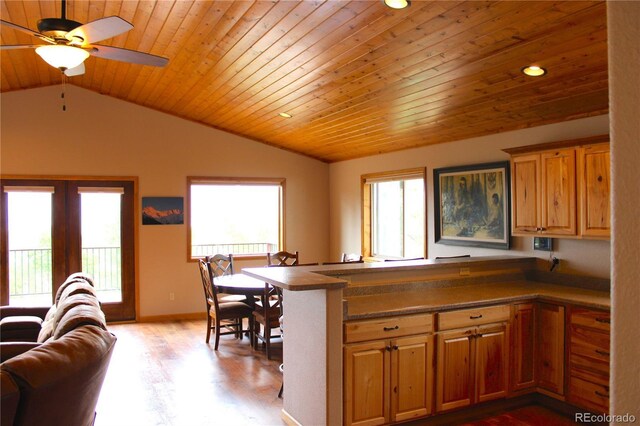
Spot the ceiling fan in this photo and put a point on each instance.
(69, 42)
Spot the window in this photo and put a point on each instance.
(394, 214)
(241, 216)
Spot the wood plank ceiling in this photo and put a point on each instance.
(358, 78)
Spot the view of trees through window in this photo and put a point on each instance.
(235, 217)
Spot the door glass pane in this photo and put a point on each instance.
(29, 226)
(101, 243)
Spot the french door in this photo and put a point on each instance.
(54, 227)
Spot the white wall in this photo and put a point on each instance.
(587, 257)
(623, 23)
(103, 136)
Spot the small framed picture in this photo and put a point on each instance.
(162, 210)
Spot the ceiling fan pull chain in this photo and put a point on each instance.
(64, 86)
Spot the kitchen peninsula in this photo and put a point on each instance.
(342, 319)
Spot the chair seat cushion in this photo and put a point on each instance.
(233, 309)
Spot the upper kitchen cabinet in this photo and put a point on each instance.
(561, 189)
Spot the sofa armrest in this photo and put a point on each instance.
(9, 398)
(10, 311)
(10, 349)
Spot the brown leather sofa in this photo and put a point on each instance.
(56, 377)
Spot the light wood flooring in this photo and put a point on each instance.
(165, 374)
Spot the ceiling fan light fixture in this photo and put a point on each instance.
(397, 4)
(534, 71)
(62, 56)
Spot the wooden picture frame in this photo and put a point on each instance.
(473, 205)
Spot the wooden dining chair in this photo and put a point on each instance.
(228, 315)
(219, 265)
(266, 317)
(283, 258)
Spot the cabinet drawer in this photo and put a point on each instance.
(599, 320)
(591, 344)
(383, 328)
(471, 317)
(589, 395)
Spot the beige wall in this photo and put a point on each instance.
(102, 136)
(588, 257)
(624, 57)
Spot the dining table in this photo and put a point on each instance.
(241, 284)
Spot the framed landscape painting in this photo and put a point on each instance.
(472, 205)
(162, 210)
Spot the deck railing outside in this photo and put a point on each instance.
(201, 250)
(30, 270)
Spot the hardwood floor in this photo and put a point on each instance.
(165, 374)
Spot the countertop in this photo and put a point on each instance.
(460, 297)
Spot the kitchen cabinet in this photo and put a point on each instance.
(561, 189)
(388, 371)
(589, 358)
(544, 193)
(523, 347)
(594, 179)
(550, 338)
(472, 361)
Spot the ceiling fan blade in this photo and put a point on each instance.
(126, 55)
(98, 30)
(71, 72)
(20, 46)
(28, 31)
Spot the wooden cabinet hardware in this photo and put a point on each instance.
(391, 328)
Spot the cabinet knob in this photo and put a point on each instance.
(604, 353)
(604, 320)
(388, 348)
(475, 316)
(395, 347)
(391, 328)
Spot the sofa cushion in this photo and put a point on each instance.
(60, 381)
(69, 302)
(20, 328)
(10, 398)
(10, 349)
(77, 316)
(76, 287)
(69, 281)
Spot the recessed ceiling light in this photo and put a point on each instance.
(534, 71)
(397, 4)
(285, 115)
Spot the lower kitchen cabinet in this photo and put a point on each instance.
(523, 348)
(550, 345)
(472, 362)
(589, 357)
(388, 380)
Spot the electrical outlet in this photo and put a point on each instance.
(172, 296)
(465, 271)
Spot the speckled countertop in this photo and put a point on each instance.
(459, 297)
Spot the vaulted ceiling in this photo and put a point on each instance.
(357, 78)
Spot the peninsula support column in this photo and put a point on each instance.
(312, 357)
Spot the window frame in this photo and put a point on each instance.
(366, 185)
(253, 181)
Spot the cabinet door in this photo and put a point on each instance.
(558, 175)
(411, 377)
(454, 369)
(595, 217)
(550, 365)
(525, 188)
(492, 358)
(366, 383)
(523, 352)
